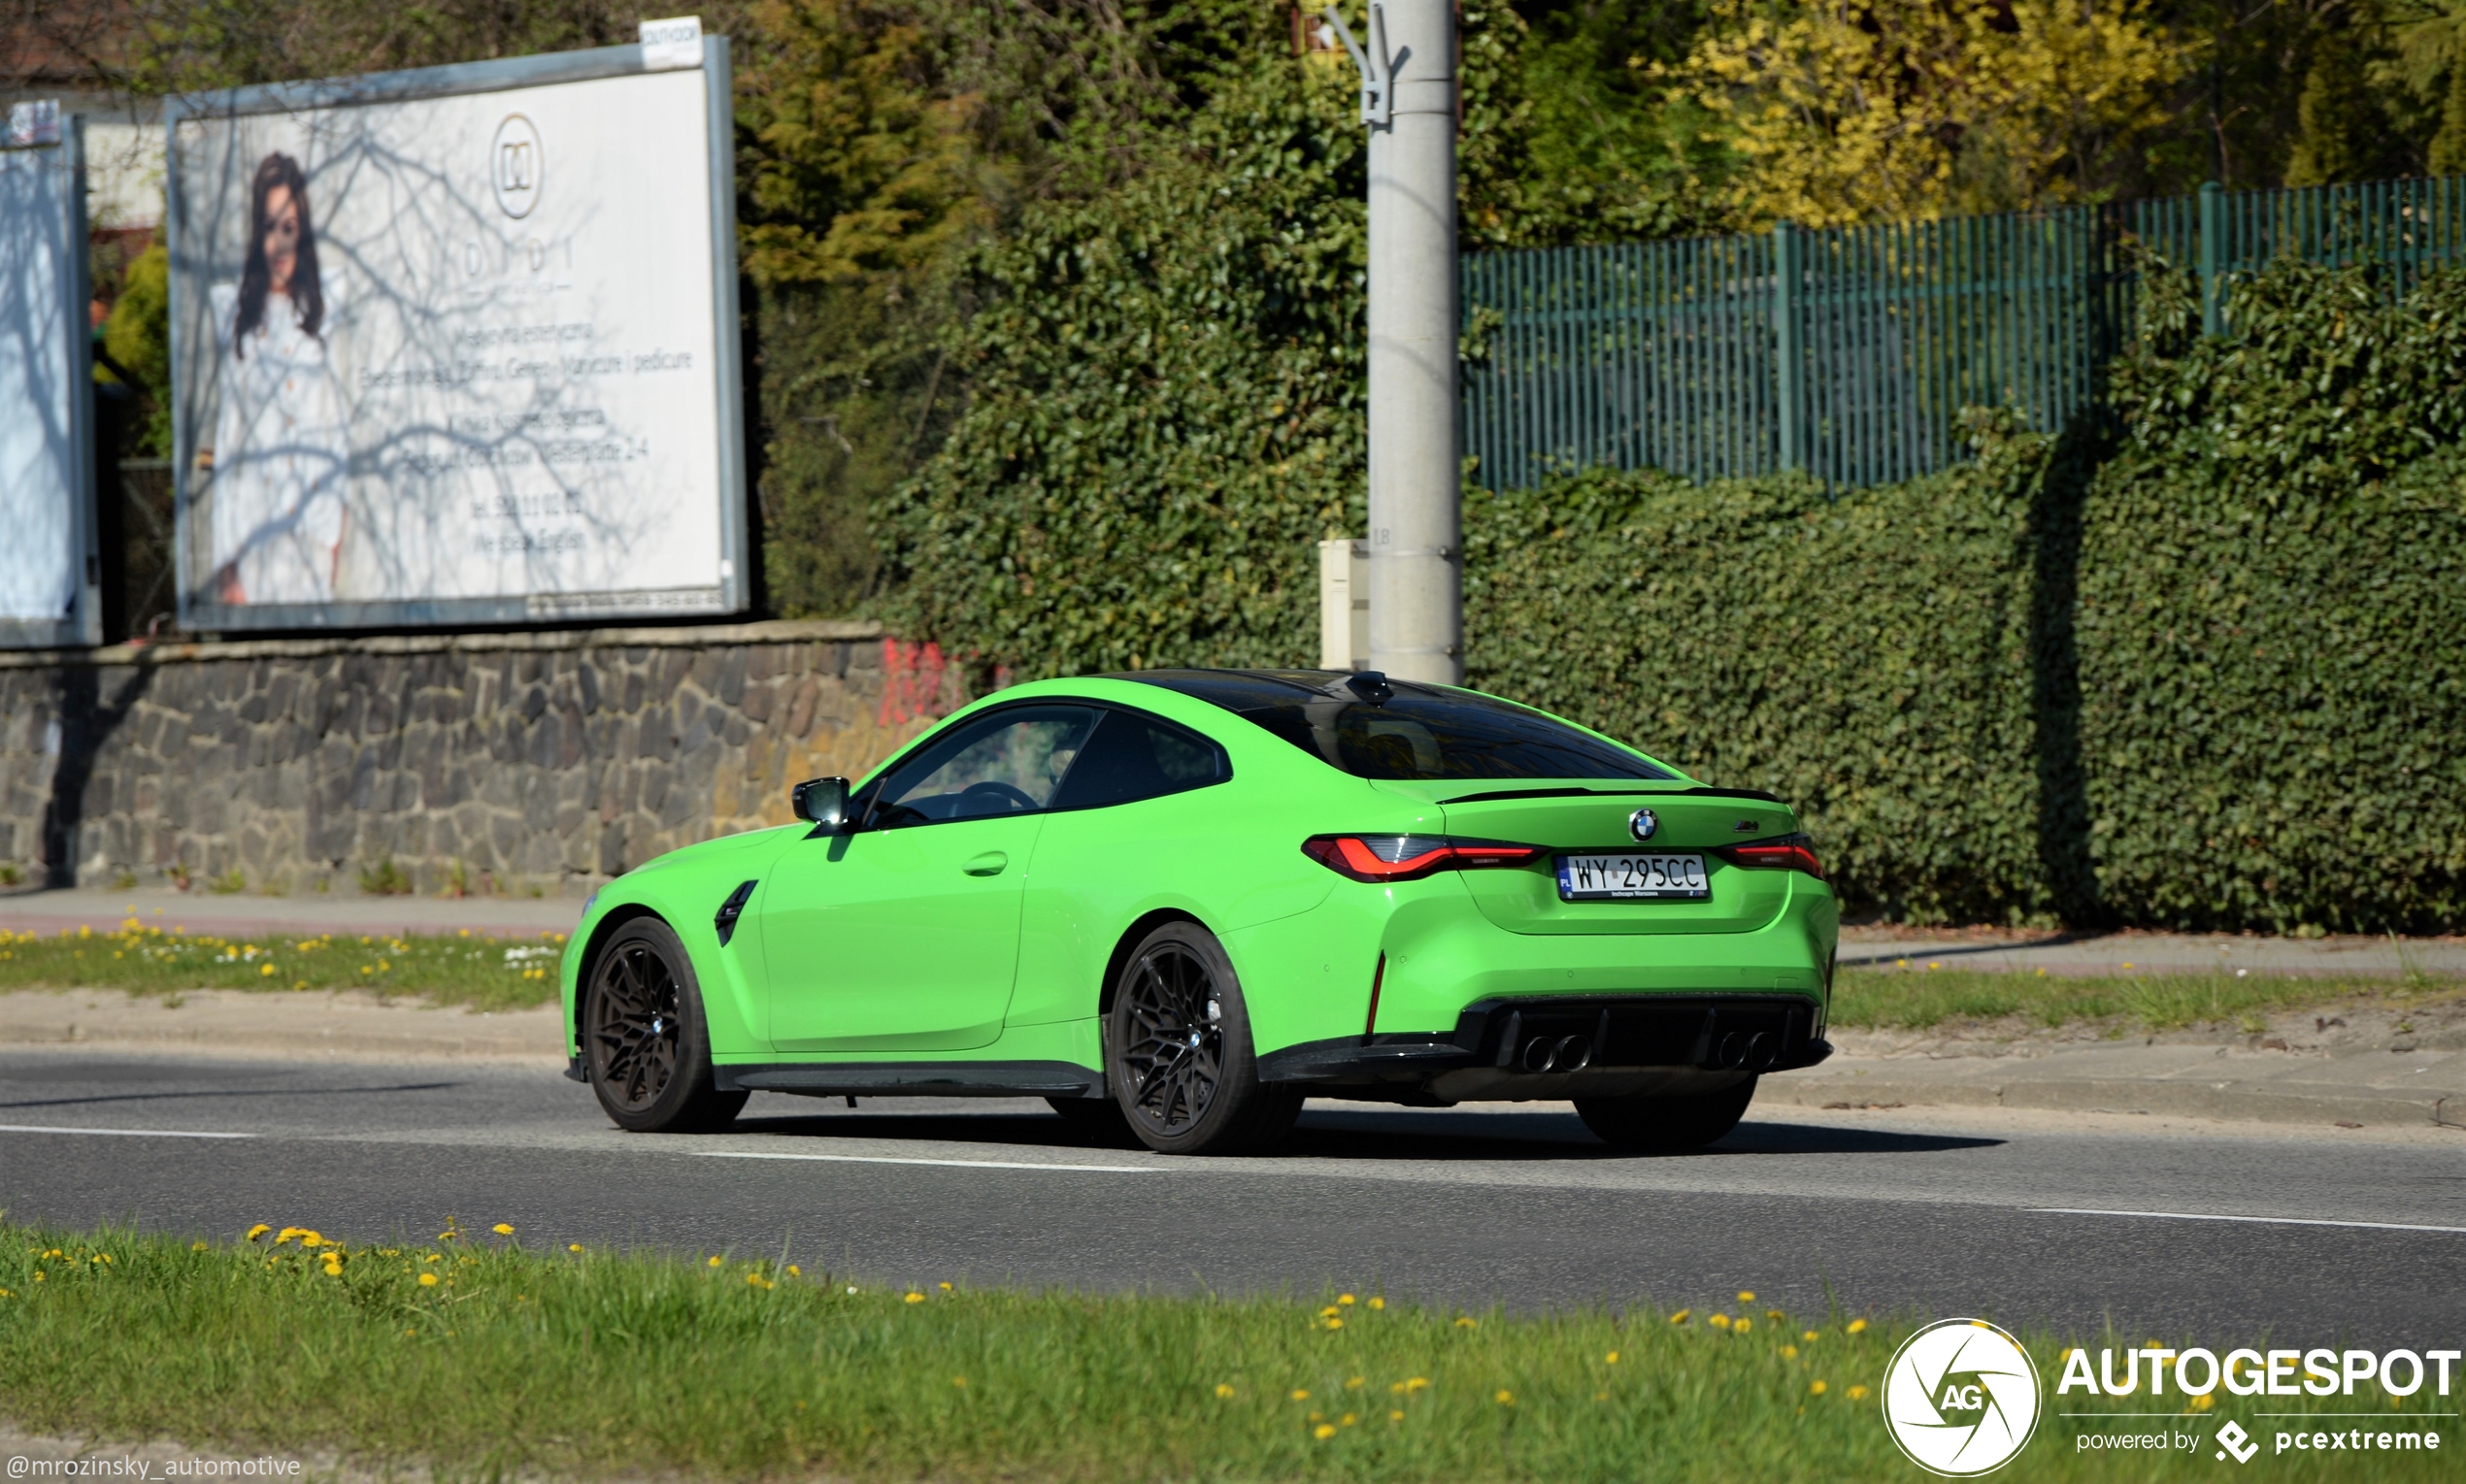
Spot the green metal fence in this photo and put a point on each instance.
(1849, 352)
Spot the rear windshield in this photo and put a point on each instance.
(1419, 731)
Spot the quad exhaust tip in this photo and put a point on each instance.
(1558, 1053)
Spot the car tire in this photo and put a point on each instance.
(1179, 1055)
(646, 1044)
(1667, 1125)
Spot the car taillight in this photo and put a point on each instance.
(1791, 852)
(1409, 857)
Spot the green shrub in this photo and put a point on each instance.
(2273, 617)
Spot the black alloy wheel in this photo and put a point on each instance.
(646, 1047)
(1182, 1064)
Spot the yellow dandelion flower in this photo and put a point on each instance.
(793, 1271)
(1775, 1315)
(1329, 1313)
(575, 1246)
(1352, 1383)
(503, 1229)
(2204, 1401)
(1504, 1397)
(1719, 1321)
(915, 1297)
(1611, 1359)
(1223, 1391)
(1464, 1322)
(1857, 1394)
(1747, 1296)
(1344, 1298)
(714, 1262)
(1857, 1326)
(427, 1280)
(1810, 1335)
(257, 1231)
(1301, 1393)
(267, 971)
(1395, 1416)
(946, 1288)
(1417, 1383)
(1681, 1316)
(1335, 1324)
(1745, 1324)
(1818, 1388)
(1324, 1432)
(196, 1246)
(1378, 1302)
(1790, 1352)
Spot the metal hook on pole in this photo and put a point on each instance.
(1377, 69)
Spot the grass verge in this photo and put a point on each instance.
(1918, 998)
(475, 970)
(481, 1357)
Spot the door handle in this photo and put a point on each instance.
(989, 864)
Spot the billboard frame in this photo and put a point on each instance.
(83, 627)
(198, 612)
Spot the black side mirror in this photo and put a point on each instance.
(824, 802)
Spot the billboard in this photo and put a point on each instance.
(459, 346)
(48, 593)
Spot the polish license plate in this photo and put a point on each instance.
(1632, 877)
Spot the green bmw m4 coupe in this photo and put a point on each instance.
(1185, 899)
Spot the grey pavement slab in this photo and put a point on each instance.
(240, 914)
(2087, 953)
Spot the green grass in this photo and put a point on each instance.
(1918, 998)
(594, 1361)
(483, 972)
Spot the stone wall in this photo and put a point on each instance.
(526, 764)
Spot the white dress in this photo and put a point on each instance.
(281, 456)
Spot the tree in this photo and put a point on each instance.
(1848, 111)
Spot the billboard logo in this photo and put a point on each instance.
(514, 166)
(1961, 1398)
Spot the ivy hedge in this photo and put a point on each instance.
(2199, 664)
(2202, 666)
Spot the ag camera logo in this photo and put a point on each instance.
(514, 159)
(1961, 1398)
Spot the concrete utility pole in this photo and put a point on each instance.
(1416, 573)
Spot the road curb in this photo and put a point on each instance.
(2227, 1100)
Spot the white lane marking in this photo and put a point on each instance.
(37, 1128)
(890, 1159)
(2267, 1221)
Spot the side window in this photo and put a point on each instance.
(1008, 763)
(1133, 757)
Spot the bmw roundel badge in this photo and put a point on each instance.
(1642, 823)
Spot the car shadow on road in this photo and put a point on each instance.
(1356, 1133)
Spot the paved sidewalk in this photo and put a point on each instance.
(318, 1026)
(242, 915)
(2087, 953)
(2356, 1063)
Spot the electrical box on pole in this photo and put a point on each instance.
(1415, 567)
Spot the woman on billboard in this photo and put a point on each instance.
(280, 449)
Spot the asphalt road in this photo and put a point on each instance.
(2350, 1241)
